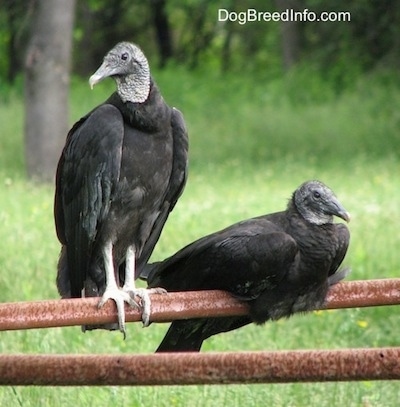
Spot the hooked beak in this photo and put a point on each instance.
(337, 209)
(344, 215)
(103, 72)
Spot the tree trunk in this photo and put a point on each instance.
(163, 30)
(226, 49)
(47, 86)
(289, 34)
(85, 62)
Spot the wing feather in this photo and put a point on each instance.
(175, 187)
(86, 177)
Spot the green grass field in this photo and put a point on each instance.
(250, 147)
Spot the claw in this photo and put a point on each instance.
(119, 297)
(145, 301)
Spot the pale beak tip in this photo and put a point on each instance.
(347, 217)
(92, 81)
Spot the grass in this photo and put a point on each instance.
(251, 146)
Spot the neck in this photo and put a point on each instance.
(310, 216)
(133, 88)
(316, 219)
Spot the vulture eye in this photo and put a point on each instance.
(316, 194)
(124, 56)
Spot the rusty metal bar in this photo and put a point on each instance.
(364, 293)
(182, 305)
(201, 368)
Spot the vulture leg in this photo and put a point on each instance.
(112, 290)
(130, 287)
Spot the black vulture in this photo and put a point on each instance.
(122, 170)
(279, 264)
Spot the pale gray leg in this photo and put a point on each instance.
(112, 290)
(142, 293)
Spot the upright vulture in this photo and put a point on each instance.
(121, 172)
(278, 264)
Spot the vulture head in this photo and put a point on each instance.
(127, 64)
(318, 204)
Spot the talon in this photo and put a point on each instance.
(144, 300)
(157, 290)
(119, 297)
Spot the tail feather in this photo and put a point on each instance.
(147, 270)
(338, 276)
(181, 338)
(90, 289)
(188, 335)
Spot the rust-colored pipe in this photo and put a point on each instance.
(201, 368)
(182, 305)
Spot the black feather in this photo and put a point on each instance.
(279, 264)
(121, 172)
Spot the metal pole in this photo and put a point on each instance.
(201, 368)
(181, 305)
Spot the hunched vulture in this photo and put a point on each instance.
(122, 170)
(279, 264)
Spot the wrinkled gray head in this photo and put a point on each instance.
(127, 64)
(318, 204)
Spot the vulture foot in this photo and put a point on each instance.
(144, 300)
(119, 297)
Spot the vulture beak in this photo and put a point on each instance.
(344, 215)
(103, 72)
(336, 208)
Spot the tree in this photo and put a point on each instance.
(14, 18)
(289, 35)
(163, 30)
(47, 69)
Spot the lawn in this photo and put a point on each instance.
(250, 147)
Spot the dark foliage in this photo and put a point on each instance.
(189, 33)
